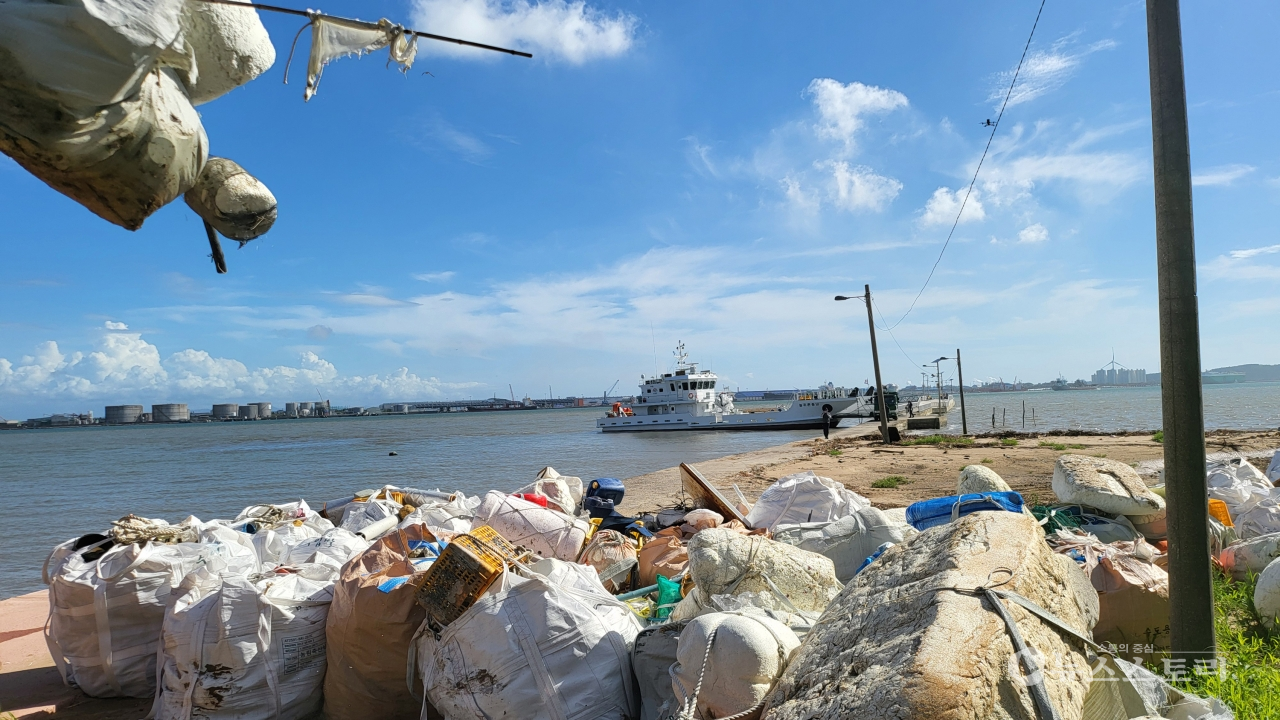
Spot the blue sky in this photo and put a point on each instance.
(706, 172)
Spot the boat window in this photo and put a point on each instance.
(673, 386)
(684, 386)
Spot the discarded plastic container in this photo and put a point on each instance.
(607, 488)
(1218, 510)
(535, 498)
(940, 511)
(465, 569)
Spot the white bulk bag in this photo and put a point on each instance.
(105, 614)
(575, 484)
(1266, 594)
(1108, 485)
(453, 515)
(847, 541)
(747, 654)
(533, 648)
(334, 548)
(722, 561)
(1237, 483)
(803, 498)
(245, 647)
(1273, 470)
(1260, 518)
(277, 528)
(980, 479)
(1250, 556)
(546, 532)
(556, 491)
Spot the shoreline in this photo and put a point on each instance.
(855, 457)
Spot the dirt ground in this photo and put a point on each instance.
(855, 458)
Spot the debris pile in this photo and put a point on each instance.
(398, 602)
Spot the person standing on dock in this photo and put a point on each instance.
(826, 424)
(911, 412)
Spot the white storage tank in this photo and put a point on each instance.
(249, 412)
(226, 411)
(264, 409)
(170, 412)
(291, 409)
(305, 409)
(119, 414)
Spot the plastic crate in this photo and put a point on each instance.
(464, 571)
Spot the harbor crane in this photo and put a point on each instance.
(606, 392)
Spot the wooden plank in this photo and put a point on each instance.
(704, 495)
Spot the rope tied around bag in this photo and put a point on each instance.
(131, 529)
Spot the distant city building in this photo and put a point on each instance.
(1118, 375)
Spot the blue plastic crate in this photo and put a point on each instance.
(940, 511)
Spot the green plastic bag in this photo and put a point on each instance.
(668, 597)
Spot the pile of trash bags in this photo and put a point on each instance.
(398, 602)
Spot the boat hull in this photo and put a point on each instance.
(659, 424)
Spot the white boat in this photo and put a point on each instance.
(687, 399)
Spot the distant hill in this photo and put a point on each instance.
(1254, 373)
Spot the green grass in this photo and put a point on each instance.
(892, 481)
(987, 461)
(939, 440)
(1053, 445)
(1077, 446)
(1251, 681)
(1158, 437)
(1010, 442)
(1100, 455)
(834, 453)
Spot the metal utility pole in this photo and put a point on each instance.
(875, 360)
(1190, 581)
(964, 422)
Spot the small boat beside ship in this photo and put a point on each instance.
(687, 399)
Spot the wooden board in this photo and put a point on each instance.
(704, 495)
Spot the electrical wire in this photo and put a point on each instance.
(983, 159)
(890, 331)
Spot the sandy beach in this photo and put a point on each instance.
(855, 457)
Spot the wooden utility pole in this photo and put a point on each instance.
(875, 360)
(964, 422)
(1190, 580)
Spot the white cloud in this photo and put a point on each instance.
(435, 276)
(371, 299)
(319, 332)
(110, 325)
(1033, 234)
(1221, 174)
(797, 196)
(124, 367)
(943, 205)
(1042, 72)
(553, 29)
(859, 188)
(1252, 252)
(841, 108)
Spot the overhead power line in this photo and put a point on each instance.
(994, 126)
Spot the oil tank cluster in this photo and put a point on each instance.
(226, 411)
(122, 414)
(170, 412)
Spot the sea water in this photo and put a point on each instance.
(1112, 409)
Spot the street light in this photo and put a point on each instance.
(875, 359)
(964, 421)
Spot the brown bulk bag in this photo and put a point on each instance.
(369, 631)
(664, 555)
